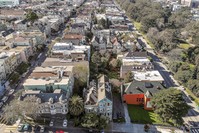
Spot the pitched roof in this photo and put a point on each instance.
(7, 32)
(141, 87)
(98, 92)
(56, 96)
(136, 54)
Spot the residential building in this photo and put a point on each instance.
(74, 38)
(190, 3)
(70, 51)
(21, 25)
(9, 3)
(135, 62)
(50, 104)
(48, 79)
(153, 75)
(98, 97)
(8, 63)
(140, 92)
(12, 13)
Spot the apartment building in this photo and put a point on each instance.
(8, 63)
(48, 79)
(50, 104)
(70, 51)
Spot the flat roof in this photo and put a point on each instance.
(62, 62)
(57, 75)
(148, 76)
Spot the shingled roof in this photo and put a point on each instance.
(141, 87)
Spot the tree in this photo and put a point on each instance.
(102, 22)
(76, 105)
(90, 120)
(129, 77)
(174, 66)
(170, 105)
(3, 27)
(103, 121)
(31, 16)
(96, 58)
(21, 109)
(183, 76)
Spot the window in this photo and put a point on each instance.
(108, 104)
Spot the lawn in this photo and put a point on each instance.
(196, 100)
(139, 115)
(184, 45)
(137, 25)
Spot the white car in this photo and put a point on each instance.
(1, 104)
(11, 92)
(51, 123)
(42, 129)
(4, 99)
(65, 123)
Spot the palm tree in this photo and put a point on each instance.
(76, 105)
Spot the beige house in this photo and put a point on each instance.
(98, 98)
(48, 79)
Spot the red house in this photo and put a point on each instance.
(140, 92)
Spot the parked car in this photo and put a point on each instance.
(26, 127)
(51, 123)
(11, 92)
(65, 123)
(4, 99)
(20, 127)
(1, 104)
(36, 128)
(42, 129)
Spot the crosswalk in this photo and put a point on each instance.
(10, 129)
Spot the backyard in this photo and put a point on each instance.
(139, 115)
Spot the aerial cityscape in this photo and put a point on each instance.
(99, 66)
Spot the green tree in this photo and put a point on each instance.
(96, 58)
(90, 120)
(3, 27)
(76, 105)
(170, 105)
(183, 76)
(103, 121)
(31, 16)
(174, 66)
(128, 77)
(102, 22)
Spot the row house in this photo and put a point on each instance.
(50, 104)
(6, 14)
(98, 97)
(74, 38)
(8, 63)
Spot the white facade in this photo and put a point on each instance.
(68, 48)
(8, 63)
